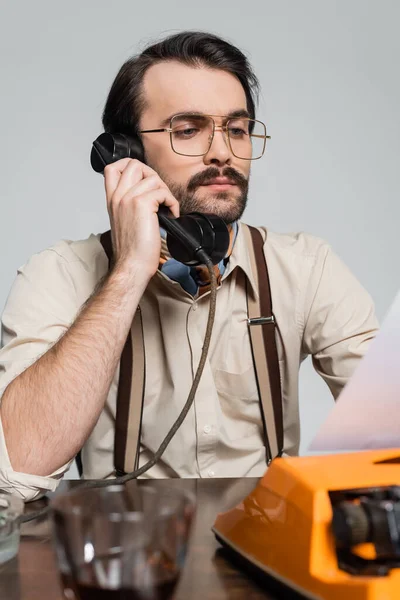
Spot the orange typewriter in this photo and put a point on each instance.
(327, 527)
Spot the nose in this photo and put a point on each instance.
(219, 152)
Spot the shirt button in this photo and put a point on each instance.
(207, 428)
(194, 306)
(211, 473)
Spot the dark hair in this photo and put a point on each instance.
(125, 100)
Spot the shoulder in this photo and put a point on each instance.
(296, 262)
(84, 252)
(73, 254)
(294, 245)
(298, 243)
(68, 264)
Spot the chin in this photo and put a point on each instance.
(222, 205)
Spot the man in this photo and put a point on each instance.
(68, 315)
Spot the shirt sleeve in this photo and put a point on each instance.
(340, 320)
(41, 306)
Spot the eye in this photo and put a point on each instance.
(187, 132)
(237, 132)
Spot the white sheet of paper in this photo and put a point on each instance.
(367, 412)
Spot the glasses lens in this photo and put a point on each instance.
(247, 138)
(191, 134)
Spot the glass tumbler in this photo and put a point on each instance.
(122, 542)
(11, 509)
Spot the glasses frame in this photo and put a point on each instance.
(223, 128)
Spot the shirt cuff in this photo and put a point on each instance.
(24, 485)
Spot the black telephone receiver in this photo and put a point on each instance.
(189, 236)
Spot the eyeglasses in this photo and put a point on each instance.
(192, 135)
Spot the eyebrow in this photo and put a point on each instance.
(241, 112)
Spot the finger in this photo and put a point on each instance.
(133, 173)
(173, 206)
(152, 199)
(146, 185)
(136, 166)
(112, 175)
(131, 176)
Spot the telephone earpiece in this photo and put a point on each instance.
(110, 147)
(190, 236)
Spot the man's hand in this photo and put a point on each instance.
(134, 192)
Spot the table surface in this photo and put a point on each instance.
(208, 573)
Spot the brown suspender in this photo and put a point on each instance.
(131, 386)
(263, 344)
(265, 357)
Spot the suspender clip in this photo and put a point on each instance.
(261, 320)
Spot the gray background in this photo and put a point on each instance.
(331, 97)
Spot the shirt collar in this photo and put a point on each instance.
(240, 257)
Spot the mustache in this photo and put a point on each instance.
(204, 178)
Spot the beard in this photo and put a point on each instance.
(226, 205)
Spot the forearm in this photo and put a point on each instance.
(49, 410)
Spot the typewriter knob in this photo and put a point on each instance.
(350, 525)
